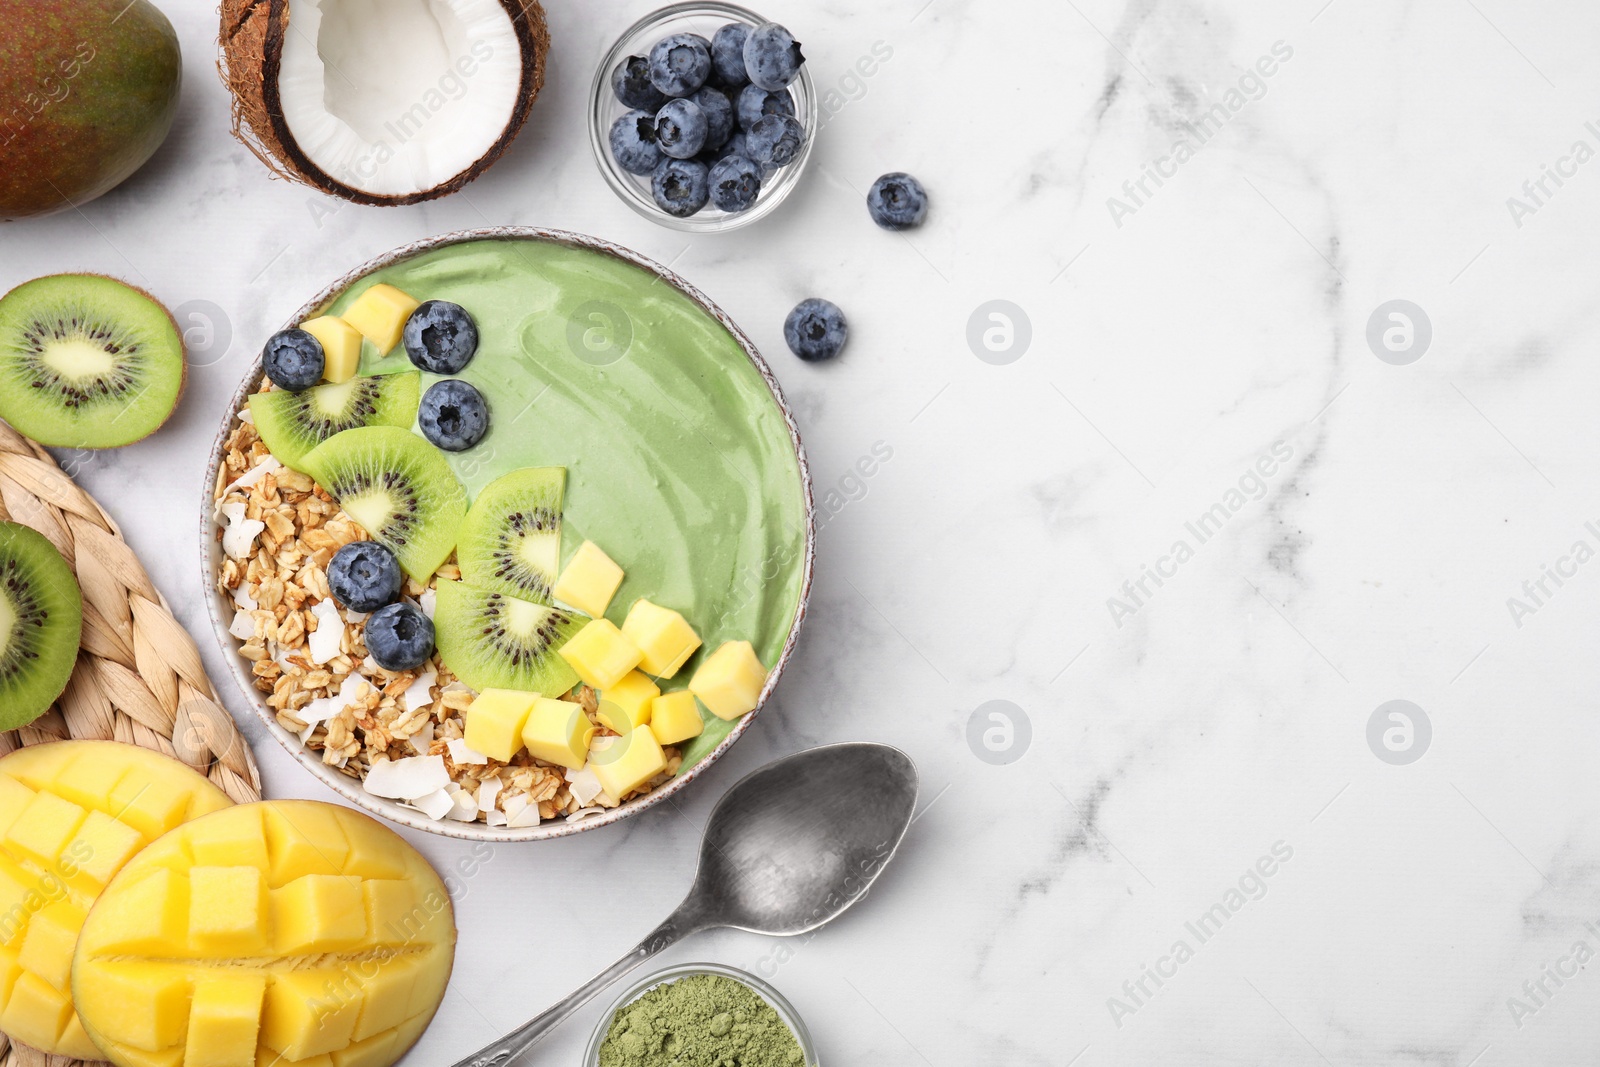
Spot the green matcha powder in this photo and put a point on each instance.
(704, 1020)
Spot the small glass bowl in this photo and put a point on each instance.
(604, 109)
(784, 1009)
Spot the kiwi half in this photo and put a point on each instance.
(41, 624)
(292, 424)
(87, 361)
(511, 541)
(493, 641)
(399, 488)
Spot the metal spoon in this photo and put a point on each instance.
(790, 847)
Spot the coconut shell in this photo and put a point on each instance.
(251, 55)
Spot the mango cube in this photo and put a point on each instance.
(341, 346)
(36, 1012)
(305, 1015)
(662, 635)
(626, 762)
(145, 1005)
(627, 704)
(601, 654)
(301, 839)
(729, 682)
(101, 848)
(393, 911)
(45, 826)
(380, 315)
(213, 844)
(557, 731)
(14, 797)
(373, 1052)
(228, 910)
(495, 720)
(590, 581)
(318, 913)
(224, 1021)
(148, 915)
(675, 717)
(388, 996)
(51, 937)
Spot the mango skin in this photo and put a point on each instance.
(86, 97)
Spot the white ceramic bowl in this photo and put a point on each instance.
(221, 608)
(704, 18)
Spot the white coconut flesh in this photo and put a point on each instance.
(395, 97)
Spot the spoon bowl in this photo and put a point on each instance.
(790, 847)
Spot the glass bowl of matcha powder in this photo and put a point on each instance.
(701, 1015)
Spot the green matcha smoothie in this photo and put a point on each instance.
(679, 462)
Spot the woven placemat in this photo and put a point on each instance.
(139, 678)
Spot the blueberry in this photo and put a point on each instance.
(735, 183)
(293, 359)
(719, 115)
(755, 103)
(400, 637)
(365, 576)
(631, 82)
(453, 415)
(681, 128)
(633, 142)
(737, 146)
(815, 330)
(727, 56)
(772, 56)
(680, 187)
(776, 139)
(897, 201)
(441, 337)
(680, 64)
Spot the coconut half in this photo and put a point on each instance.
(382, 101)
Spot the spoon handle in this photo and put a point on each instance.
(680, 924)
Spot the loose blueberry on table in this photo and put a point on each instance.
(440, 337)
(897, 201)
(453, 415)
(816, 330)
(399, 637)
(365, 576)
(293, 360)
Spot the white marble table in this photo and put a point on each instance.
(1181, 732)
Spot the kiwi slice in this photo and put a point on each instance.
(493, 641)
(87, 361)
(398, 487)
(41, 623)
(292, 424)
(511, 541)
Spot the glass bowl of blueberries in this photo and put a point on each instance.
(702, 116)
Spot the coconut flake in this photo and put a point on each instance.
(495, 818)
(356, 618)
(585, 784)
(407, 779)
(528, 816)
(489, 793)
(324, 642)
(250, 477)
(241, 533)
(428, 602)
(516, 804)
(436, 805)
(420, 693)
(423, 737)
(463, 756)
(244, 625)
(319, 711)
(247, 416)
(581, 812)
(463, 808)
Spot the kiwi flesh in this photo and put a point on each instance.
(511, 541)
(292, 424)
(493, 641)
(398, 487)
(41, 624)
(87, 361)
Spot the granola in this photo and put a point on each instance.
(279, 531)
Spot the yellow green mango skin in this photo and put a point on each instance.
(88, 91)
